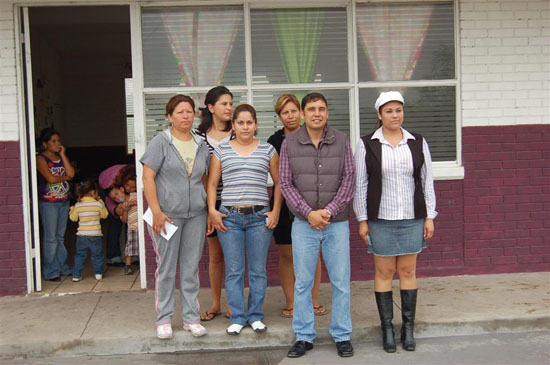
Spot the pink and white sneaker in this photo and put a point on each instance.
(196, 329)
(164, 331)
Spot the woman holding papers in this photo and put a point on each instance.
(174, 166)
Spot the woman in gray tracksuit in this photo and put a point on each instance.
(174, 165)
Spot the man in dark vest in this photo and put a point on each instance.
(317, 177)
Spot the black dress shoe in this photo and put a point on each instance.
(116, 264)
(299, 348)
(57, 278)
(345, 349)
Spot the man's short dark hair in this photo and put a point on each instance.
(312, 97)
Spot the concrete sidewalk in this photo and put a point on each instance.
(110, 323)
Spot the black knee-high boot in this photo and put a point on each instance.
(384, 303)
(408, 310)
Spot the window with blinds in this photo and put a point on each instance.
(404, 46)
(129, 98)
(405, 41)
(429, 111)
(299, 46)
(193, 46)
(268, 122)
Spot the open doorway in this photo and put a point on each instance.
(81, 77)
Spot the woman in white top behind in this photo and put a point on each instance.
(244, 221)
(395, 205)
(215, 129)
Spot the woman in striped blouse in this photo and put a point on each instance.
(395, 205)
(244, 221)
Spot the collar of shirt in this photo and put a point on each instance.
(380, 136)
(305, 139)
(87, 199)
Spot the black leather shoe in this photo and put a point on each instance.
(345, 349)
(299, 348)
(57, 278)
(116, 264)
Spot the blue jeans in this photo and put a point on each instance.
(53, 217)
(306, 243)
(245, 233)
(83, 245)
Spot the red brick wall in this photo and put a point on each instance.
(13, 277)
(506, 198)
(495, 220)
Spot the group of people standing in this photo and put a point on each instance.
(117, 184)
(213, 182)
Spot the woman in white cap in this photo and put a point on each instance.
(395, 205)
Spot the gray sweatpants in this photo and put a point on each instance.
(186, 246)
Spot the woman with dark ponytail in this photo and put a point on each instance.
(215, 129)
(55, 171)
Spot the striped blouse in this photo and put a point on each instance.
(88, 212)
(245, 177)
(397, 200)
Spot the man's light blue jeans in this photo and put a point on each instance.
(306, 243)
(245, 233)
(53, 217)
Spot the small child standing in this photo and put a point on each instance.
(130, 217)
(88, 211)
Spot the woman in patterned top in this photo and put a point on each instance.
(55, 170)
(244, 221)
(215, 128)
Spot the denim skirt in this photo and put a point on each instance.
(396, 238)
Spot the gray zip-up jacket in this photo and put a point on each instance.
(179, 195)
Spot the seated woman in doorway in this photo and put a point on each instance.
(244, 220)
(395, 205)
(287, 109)
(54, 172)
(116, 181)
(174, 166)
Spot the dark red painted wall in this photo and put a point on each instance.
(13, 277)
(495, 220)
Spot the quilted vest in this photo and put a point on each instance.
(317, 172)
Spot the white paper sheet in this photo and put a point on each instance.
(170, 228)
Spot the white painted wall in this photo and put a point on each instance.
(8, 88)
(505, 61)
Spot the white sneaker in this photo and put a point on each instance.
(164, 331)
(77, 279)
(196, 329)
(258, 326)
(98, 276)
(234, 329)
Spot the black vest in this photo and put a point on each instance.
(373, 161)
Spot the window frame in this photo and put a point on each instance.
(442, 170)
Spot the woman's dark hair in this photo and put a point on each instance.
(46, 134)
(211, 98)
(84, 187)
(245, 108)
(175, 100)
(125, 174)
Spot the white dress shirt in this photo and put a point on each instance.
(397, 200)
